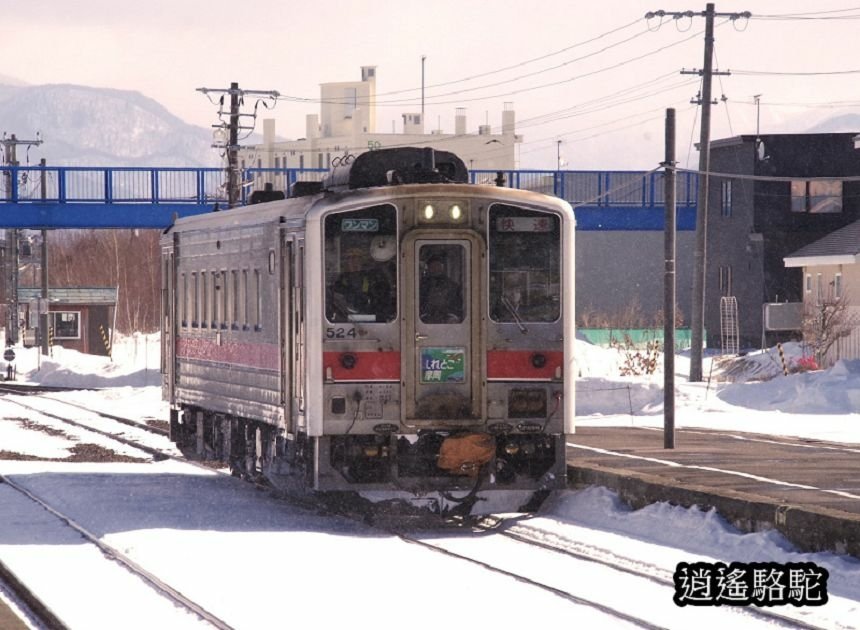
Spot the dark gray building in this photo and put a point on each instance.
(791, 190)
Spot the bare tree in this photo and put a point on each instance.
(127, 259)
(826, 321)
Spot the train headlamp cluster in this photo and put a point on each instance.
(442, 212)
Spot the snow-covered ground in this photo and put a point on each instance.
(214, 537)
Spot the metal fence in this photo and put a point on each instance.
(81, 184)
(202, 186)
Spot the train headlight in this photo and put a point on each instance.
(371, 451)
(527, 403)
(512, 448)
(428, 212)
(456, 212)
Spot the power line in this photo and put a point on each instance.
(401, 102)
(795, 73)
(519, 64)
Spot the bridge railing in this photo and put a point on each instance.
(597, 188)
(116, 184)
(205, 186)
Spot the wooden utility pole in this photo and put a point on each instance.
(700, 251)
(669, 286)
(43, 306)
(12, 325)
(697, 323)
(233, 127)
(233, 149)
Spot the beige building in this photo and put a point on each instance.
(346, 124)
(831, 281)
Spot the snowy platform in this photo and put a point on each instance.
(809, 490)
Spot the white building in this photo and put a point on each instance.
(347, 125)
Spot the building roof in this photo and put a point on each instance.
(841, 247)
(71, 295)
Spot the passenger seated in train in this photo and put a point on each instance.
(441, 298)
(362, 291)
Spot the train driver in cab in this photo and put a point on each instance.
(362, 290)
(441, 298)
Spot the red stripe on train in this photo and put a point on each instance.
(520, 364)
(256, 355)
(368, 366)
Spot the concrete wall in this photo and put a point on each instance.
(615, 270)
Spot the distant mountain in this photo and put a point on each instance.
(87, 126)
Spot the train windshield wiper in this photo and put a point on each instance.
(513, 312)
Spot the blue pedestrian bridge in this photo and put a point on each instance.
(55, 197)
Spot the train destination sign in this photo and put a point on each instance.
(360, 225)
(524, 224)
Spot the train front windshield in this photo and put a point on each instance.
(361, 265)
(525, 259)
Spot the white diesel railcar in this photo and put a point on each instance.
(392, 330)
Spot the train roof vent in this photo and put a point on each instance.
(405, 165)
(303, 189)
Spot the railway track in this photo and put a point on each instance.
(28, 604)
(48, 618)
(164, 589)
(514, 529)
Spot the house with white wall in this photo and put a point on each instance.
(831, 274)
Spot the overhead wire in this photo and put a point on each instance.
(432, 99)
(516, 65)
(807, 13)
(796, 73)
(724, 99)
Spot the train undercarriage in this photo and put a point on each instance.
(440, 470)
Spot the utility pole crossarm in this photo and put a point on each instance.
(233, 127)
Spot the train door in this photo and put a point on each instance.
(168, 317)
(286, 313)
(442, 362)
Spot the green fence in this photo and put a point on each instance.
(638, 336)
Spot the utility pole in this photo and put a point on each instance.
(43, 316)
(233, 127)
(423, 58)
(697, 323)
(757, 98)
(669, 286)
(10, 146)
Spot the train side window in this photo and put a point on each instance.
(525, 264)
(183, 303)
(195, 287)
(213, 299)
(257, 301)
(244, 299)
(204, 302)
(221, 300)
(236, 302)
(228, 300)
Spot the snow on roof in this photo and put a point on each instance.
(71, 295)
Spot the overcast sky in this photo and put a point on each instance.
(167, 48)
